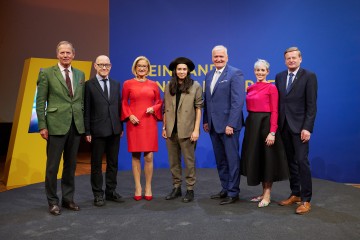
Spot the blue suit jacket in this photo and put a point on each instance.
(224, 107)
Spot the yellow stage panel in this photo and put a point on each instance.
(26, 157)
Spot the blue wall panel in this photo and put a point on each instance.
(328, 35)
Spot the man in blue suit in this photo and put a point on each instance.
(297, 110)
(223, 119)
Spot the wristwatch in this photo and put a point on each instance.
(272, 133)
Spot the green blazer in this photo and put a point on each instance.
(54, 107)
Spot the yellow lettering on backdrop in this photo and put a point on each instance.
(248, 83)
(199, 71)
(161, 85)
(163, 70)
(166, 71)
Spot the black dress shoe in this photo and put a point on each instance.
(229, 200)
(54, 209)
(115, 197)
(71, 206)
(99, 201)
(176, 192)
(189, 196)
(221, 194)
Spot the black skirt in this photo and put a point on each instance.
(259, 162)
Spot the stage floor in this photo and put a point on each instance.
(335, 213)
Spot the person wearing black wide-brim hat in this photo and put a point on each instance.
(182, 113)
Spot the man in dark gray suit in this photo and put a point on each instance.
(103, 129)
(297, 110)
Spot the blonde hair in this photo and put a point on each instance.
(133, 69)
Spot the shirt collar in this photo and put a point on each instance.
(99, 78)
(294, 72)
(220, 70)
(62, 68)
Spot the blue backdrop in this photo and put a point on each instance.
(328, 34)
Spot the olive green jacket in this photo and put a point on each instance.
(55, 107)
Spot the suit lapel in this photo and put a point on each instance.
(75, 79)
(283, 82)
(208, 80)
(296, 79)
(99, 88)
(112, 90)
(222, 76)
(181, 99)
(173, 103)
(59, 76)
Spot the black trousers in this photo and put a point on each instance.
(57, 145)
(110, 146)
(297, 155)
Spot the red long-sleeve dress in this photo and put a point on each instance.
(136, 98)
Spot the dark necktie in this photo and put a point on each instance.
(291, 75)
(105, 88)
(68, 81)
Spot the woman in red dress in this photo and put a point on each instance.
(141, 109)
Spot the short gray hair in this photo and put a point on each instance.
(220, 47)
(262, 62)
(65, 43)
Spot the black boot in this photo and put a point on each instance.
(189, 196)
(176, 192)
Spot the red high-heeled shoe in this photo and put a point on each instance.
(148, 198)
(137, 198)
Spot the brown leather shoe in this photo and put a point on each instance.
(71, 206)
(290, 201)
(305, 207)
(54, 210)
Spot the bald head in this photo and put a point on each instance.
(102, 65)
(102, 58)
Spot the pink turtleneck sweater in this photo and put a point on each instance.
(263, 97)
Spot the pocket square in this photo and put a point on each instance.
(223, 81)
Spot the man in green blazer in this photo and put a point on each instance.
(59, 108)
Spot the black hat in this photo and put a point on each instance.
(182, 60)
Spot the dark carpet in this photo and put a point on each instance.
(335, 213)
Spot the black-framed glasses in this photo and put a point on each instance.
(106, 65)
